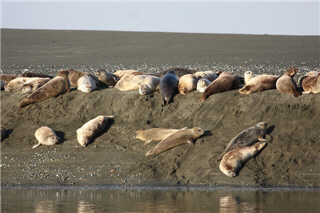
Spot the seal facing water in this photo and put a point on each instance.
(168, 87)
(45, 136)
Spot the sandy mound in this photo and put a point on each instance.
(114, 157)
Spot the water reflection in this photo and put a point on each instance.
(54, 200)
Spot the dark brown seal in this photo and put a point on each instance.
(168, 87)
(33, 74)
(6, 78)
(56, 86)
(223, 83)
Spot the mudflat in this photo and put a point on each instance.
(292, 157)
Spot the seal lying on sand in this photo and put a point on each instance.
(259, 83)
(179, 71)
(234, 159)
(176, 139)
(45, 136)
(6, 78)
(73, 76)
(149, 85)
(209, 75)
(223, 83)
(88, 130)
(130, 82)
(247, 137)
(33, 74)
(312, 73)
(56, 86)
(168, 87)
(15, 84)
(121, 73)
(311, 84)
(107, 78)
(187, 83)
(286, 84)
(203, 84)
(33, 84)
(154, 134)
(86, 84)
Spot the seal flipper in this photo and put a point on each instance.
(35, 146)
(147, 142)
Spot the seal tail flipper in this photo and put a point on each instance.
(151, 152)
(184, 128)
(35, 146)
(23, 103)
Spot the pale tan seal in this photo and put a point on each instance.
(168, 87)
(15, 84)
(154, 134)
(121, 73)
(3, 133)
(56, 86)
(187, 83)
(234, 160)
(286, 84)
(312, 73)
(33, 84)
(247, 137)
(203, 84)
(86, 84)
(247, 76)
(311, 84)
(149, 85)
(259, 83)
(88, 130)
(73, 76)
(6, 77)
(130, 82)
(223, 83)
(107, 78)
(45, 136)
(176, 139)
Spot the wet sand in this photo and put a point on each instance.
(114, 157)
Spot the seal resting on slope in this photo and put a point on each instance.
(168, 87)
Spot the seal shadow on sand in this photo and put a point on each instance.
(106, 129)
(61, 135)
(8, 133)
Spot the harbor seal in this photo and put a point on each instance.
(3, 133)
(121, 73)
(286, 84)
(56, 86)
(311, 73)
(45, 136)
(86, 84)
(259, 83)
(223, 83)
(16, 84)
(247, 76)
(176, 139)
(234, 160)
(154, 134)
(247, 137)
(130, 82)
(209, 75)
(88, 130)
(33, 74)
(33, 84)
(73, 76)
(6, 77)
(168, 87)
(179, 71)
(149, 85)
(187, 83)
(311, 84)
(203, 84)
(107, 78)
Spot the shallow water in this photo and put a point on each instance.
(157, 199)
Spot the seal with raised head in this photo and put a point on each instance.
(56, 86)
(86, 84)
(247, 76)
(149, 85)
(311, 84)
(286, 83)
(33, 84)
(45, 136)
(187, 83)
(259, 83)
(88, 130)
(203, 84)
(224, 82)
(233, 160)
(130, 82)
(176, 139)
(247, 137)
(106, 77)
(168, 87)
(155, 134)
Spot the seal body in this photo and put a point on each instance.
(286, 84)
(34, 74)
(6, 78)
(33, 84)
(234, 159)
(209, 75)
(223, 83)
(154, 134)
(88, 130)
(203, 84)
(86, 84)
(149, 85)
(176, 139)
(187, 83)
(107, 78)
(311, 84)
(15, 84)
(130, 82)
(45, 136)
(259, 83)
(179, 71)
(247, 137)
(121, 73)
(56, 86)
(312, 73)
(168, 87)
(73, 76)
